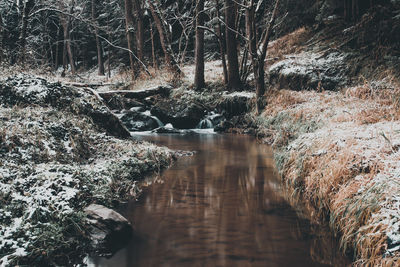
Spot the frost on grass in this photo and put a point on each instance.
(53, 163)
(342, 151)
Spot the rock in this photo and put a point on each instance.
(119, 102)
(236, 104)
(170, 130)
(181, 115)
(223, 127)
(109, 230)
(310, 71)
(243, 124)
(26, 90)
(167, 130)
(136, 121)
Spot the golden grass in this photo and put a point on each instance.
(291, 43)
(336, 170)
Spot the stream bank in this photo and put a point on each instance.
(61, 149)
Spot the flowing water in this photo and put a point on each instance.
(223, 206)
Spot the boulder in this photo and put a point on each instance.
(235, 104)
(310, 71)
(137, 121)
(109, 230)
(180, 115)
(119, 102)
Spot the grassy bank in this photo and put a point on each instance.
(340, 152)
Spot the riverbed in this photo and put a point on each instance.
(223, 206)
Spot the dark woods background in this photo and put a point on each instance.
(82, 34)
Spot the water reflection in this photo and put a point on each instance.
(221, 207)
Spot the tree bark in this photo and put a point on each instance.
(67, 44)
(153, 49)
(139, 28)
(24, 26)
(57, 56)
(231, 46)
(165, 44)
(66, 24)
(100, 59)
(199, 51)
(1, 40)
(222, 44)
(129, 32)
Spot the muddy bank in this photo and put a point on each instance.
(61, 150)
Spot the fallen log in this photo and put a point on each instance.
(91, 85)
(140, 94)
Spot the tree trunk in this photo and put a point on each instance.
(24, 26)
(67, 44)
(231, 46)
(222, 44)
(139, 29)
(199, 51)
(258, 52)
(1, 40)
(129, 32)
(100, 59)
(165, 44)
(153, 49)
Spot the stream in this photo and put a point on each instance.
(223, 206)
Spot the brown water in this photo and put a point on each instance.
(221, 207)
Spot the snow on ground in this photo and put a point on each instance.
(53, 163)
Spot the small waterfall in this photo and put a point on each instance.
(205, 124)
(210, 121)
(148, 113)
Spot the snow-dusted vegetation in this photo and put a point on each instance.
(53, 164)
(340, 152)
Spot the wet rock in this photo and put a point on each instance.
(310, 71)
(243, 124)
(236, 104)
(119, 102)
(109, 230)
(223, 126)
(137, 121)
(25, 90)
(169, 129)
(180, 115)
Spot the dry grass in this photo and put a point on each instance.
(291, 43)
(346, 168)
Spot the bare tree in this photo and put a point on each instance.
(100, 60)
(199, 49)
(234, 82)
(258, 46)
(165, 42)
(66, 21)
